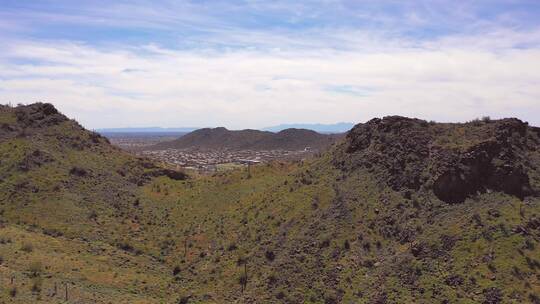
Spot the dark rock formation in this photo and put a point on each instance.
(39, 115)
(410, 153)
(29, 118)
(77, 171)
(494, 164)
(172, 174)
(142, 170)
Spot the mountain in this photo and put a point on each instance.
(340, 127)
(221, 138)
(145, 130)
(398, 211)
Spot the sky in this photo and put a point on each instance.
(254, 63)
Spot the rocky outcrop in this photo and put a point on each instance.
(39, 115)
(140, 171)
(28, 118)
(32, 123)
(33, 160)
(410, 154)
(172, 174)
(496, 164)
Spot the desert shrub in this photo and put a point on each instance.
(27, 247)
(128, 247)
(52, 232)
(183, 300)
(35, 269)
(366, 245)
(242, 260)
(477, 219)
(486, 119)
(270, 255)
(176, 270)
(532, 263)
(454, 280)
(93, 215)
(330, 298)
(325, 243)
(529, 244)
(272, 279)
(77, 171)
(243, 279)
(280, 295)
(36, 285)
(492, 295)
(476, 122)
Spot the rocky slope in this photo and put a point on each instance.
(400, 211)
(456, 160)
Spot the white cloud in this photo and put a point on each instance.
(149, 85)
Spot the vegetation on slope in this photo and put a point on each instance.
(361, 224)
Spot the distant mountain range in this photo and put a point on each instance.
(340, 127)
(221, 138)
(146, 130)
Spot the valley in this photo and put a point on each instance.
(211, 150)
(399, 211)
(270, 152)
(207, 160)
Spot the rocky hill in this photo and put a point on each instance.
(221, 138)
(455, 160)
(400, 211)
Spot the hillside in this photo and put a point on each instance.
(400, 211)
(221, 138)
(340, 127)
(62, 190)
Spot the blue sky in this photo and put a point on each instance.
(259, 63)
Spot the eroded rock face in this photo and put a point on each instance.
(410, 153)
(395, 144)
(29, 118)
(479, 169)
(142, 170)
(39, 115)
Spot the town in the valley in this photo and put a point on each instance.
(202, 160)
(217, 160)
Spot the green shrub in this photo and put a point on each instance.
(35, 268)
(176, 270)
(13, 292)
(27, 247)
(36, 285)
